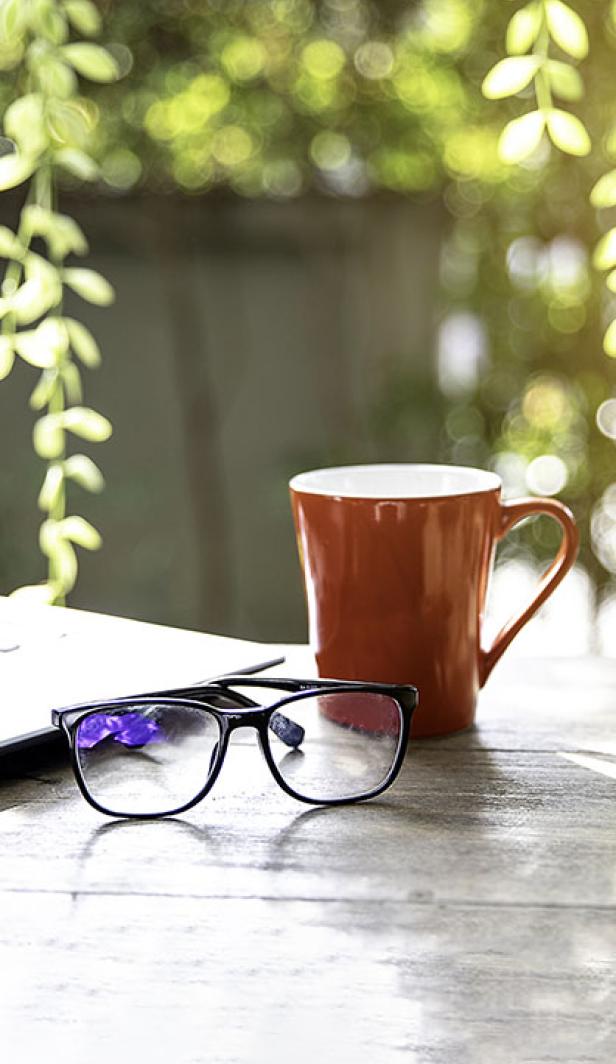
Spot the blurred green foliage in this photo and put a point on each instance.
(281, 98)
(274, 97)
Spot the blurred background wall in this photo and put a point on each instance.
(249, 341)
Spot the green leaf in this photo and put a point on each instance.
(77, 163)
(10, 247)
(37, 219)
(523, 29)
(84, 472)
(31, 346)
(32, 299)
(72, 382)
(24, 122)
(55, 77)
(510, 76)
(54, 335)
(36, 594)
(87, 424)
(81, 532)
(567, 132)
(15, 169)
(48, 22)
(564, 80)
(520, 137)
(90, 285)
(609, 340)
(610, 142)
(52, 487)
(611, 281)
(604, 257)
(60, 551)
(64, 562)
(49, 535)
(84, 16)
(68, 123)
(61, 233)
(38, 266)
(40, 291)
(12, 19)
(83, 343)
(44, 389)
(604, 192)
(567, 29)
(91, 61)
(48, 436)
(7, 357)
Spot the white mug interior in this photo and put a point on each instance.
(396, 481)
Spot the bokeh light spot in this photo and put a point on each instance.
(243, 58)
(282, 178)
(546, 475)
(323, 59)
(121, 168)
(446, 25)
(374, 60)
(232, 145)
(546, 404)
(462, 352)
(606, 418)
(330, 150)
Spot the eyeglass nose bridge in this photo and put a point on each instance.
(248, 718)
(290, 733)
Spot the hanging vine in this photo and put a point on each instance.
(603, 195)
(533, 28)
(48, 126)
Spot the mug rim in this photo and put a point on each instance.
(471, 481)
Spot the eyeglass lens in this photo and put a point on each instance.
(349, 748)
(146, 758)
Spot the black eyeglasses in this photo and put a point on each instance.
(327, 742)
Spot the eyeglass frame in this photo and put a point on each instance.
(247, 714)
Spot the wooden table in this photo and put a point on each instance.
(468, 916)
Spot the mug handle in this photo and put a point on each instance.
(510, 514)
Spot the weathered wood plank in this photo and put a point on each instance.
(267, 981)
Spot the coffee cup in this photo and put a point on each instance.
(396, 562)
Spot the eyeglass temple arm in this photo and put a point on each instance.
(250, 670)
(218, 681)
(240, 679)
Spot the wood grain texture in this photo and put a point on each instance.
(468, 916)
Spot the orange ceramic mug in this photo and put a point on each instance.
(396, 562)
